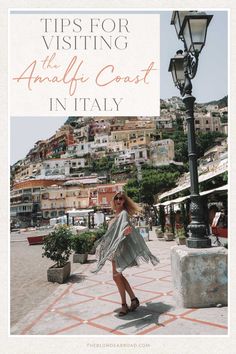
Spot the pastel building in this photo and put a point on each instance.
(25, 200)
(63, 167)
(137, 155)
(80, 149)
(162, 152)
(82, 133)
(127, 135)
(26, 171)
(105, 194)
(53, 201)
(57, 144)
(116, 146)
(165, 122)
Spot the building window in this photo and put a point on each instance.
(36, 189)
(27, 191)
(104, 200)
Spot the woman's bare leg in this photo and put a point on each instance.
(128, 288)
(126, 285)
(123, 285)
(118, 279)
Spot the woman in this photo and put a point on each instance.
(124, 247)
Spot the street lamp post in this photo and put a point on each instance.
(191, 28)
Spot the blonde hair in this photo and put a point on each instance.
(129, 205)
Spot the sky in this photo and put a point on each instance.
(209, 84)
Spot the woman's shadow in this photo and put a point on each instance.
(144, 316)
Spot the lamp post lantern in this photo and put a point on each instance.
(191, 28)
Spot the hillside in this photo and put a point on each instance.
(223, 102)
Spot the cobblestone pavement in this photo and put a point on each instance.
(88, 304)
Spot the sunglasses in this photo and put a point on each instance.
(118, 198)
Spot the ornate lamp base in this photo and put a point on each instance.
(197, 227)
(198, 243)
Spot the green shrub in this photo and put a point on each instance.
(57, 245)
(83, 242)
(99, 232)
(181, 233)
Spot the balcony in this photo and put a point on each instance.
(27, 193)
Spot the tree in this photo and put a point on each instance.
(105, 163)
(180, 141)
(154, 180)
(206, 140)
(132, 189)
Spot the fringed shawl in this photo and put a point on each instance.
(126, 251)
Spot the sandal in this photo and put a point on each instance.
(134, 304)
(124, 311)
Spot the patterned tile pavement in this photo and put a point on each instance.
(88, 304)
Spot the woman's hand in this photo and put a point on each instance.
(127, 231)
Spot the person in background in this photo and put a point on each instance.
(150, 223)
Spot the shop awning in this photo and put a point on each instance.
(181, 199)
(173, 201)
(204, 177)
(83, 212)
(219, 189)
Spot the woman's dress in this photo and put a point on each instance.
(126, 251)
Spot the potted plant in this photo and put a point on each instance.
(168, 235)
(159, 233)
(82, 244)
(98, 233)
(181, 238)
(57, 247)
